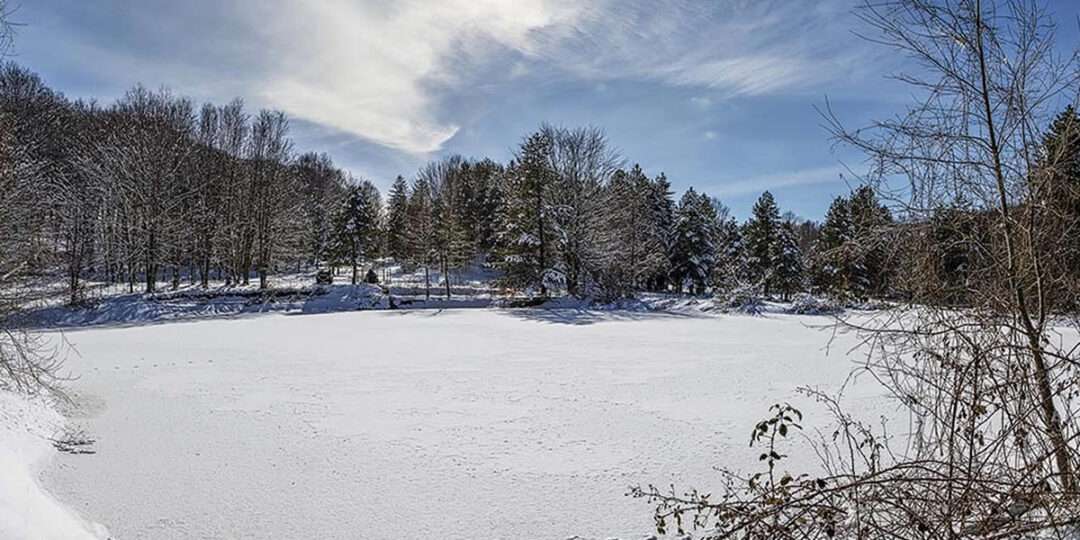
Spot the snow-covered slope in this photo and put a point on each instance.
(450, 424)
(192, 304)
(26, 510)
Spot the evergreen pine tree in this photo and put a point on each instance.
(1061, 153)
(831, 268)
(661, 228)
(730, 267)
(397, 220)
(694, 242)
(1057, 185)
(453, 247)
(851, 258)
(527, 225)
(356, 226)
(635, 242)
(760, 237)
(788, 273)
(946, 259)
(869, 218)
(421, 229)
(481, 200)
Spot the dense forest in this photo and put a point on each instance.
(152, 190)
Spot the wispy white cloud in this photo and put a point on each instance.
(733, 47)
(759, 183)
(701, 102)
(381, 71)
(386, 71)
(753, 74)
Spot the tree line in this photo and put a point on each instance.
(152, 190)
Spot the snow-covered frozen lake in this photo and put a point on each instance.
(452, 424)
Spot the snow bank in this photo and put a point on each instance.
(192, 304)
(26, 510)
(333, 298)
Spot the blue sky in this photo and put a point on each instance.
(718, 94)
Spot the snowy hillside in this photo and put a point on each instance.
(454, 424)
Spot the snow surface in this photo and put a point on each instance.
(26, 510)
(192, 303)
(427, 423)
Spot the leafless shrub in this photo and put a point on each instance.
(27, 363)
(988, 382)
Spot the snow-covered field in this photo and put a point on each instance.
(457, 423)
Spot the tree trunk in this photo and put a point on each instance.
(74, 287)
(245, 266)
(446, 277)
(151, 263)
(1051, 417)
(427, 283)
(543, 243)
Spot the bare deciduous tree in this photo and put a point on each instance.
(990, 386)
(7, 27)
(28, 363)
(583, 162)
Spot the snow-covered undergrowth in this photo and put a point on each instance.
(107, 304)
(26, 510)
(805, 304)
(428, 423)
(193, 303)
(734, 304)
(111, 306)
